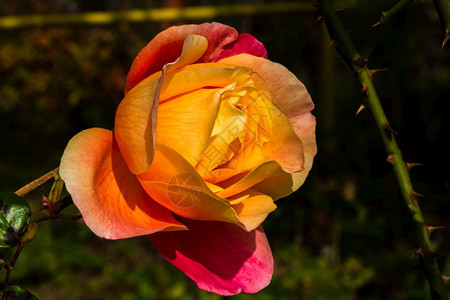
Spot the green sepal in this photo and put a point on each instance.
(15, 216)
(57, 187)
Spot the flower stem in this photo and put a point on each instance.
(351, 56)
(35, 183)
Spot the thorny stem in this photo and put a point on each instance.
(353, 59)
(443, 9)
(35, 183)
(386, 16)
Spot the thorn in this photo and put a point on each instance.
(45, 201)
(418, 252)
(381, 20)
(320, 18)
(371, 72)
(351, 30)
(446, 37)
(433, 228)
(376, 24)
(340, 11)
(332, 44)
(360, 109)
(415, 196)
(390, 159)
(412, 165)
(364, 89)
(410, 209)
(388, 129)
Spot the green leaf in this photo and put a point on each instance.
(14, 292)
(14, 218)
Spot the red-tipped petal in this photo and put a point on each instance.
(108, 195)
(220, 257)
(166, 48)
(245, 43)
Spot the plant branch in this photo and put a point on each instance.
(52, 210)
(350, 55)
(9, 268)
(443, 9)
(388, 15)
(23, 191)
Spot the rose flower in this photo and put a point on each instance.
(209, 134)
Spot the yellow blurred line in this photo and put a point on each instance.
(155, 15)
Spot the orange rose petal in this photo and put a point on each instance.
(285, 145)
(219, 145)
(220, 174)
(185, 123)
(291, 98)
(305, 127)
(288, 93)
(193, 48)
(214, 188)
(175, 184)
(281, 185)
(193, 77)
(135, 124)
(251, 156)
(252, 208)
(108, 195)
(262, 172)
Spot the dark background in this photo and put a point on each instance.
(345, 234)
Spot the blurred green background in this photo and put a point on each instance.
(345, 234)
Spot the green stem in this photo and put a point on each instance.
(345, 47)
(443, 9)
(388, 15)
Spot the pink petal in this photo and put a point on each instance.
(220, 257)
(245, 43)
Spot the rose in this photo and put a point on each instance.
(208, 135)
